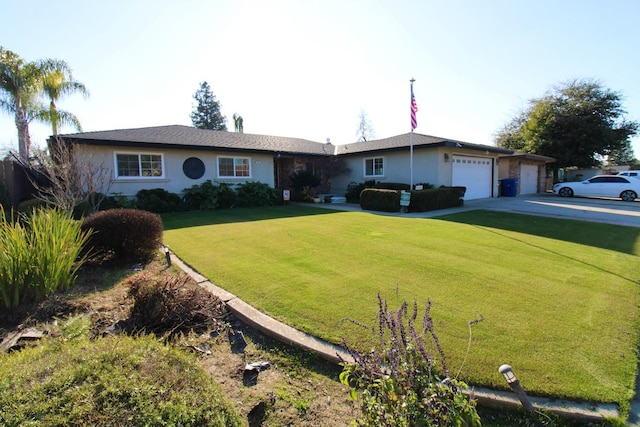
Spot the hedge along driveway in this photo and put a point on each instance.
(562, 312)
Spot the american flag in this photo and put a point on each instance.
(414, 110)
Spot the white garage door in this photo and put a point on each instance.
(528, 179)
(473, 173)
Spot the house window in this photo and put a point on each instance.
(374, 166)
(139, 165)
(234, 167)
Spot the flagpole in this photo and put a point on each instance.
(411, 140)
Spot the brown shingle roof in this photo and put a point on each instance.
(419, 141)
(177, 136)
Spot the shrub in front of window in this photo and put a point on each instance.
(254, 194)
(354, 189)
(124, 234)
(209, 196)
(374, 199)
(158, 200)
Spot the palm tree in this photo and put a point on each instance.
(19, 94)
(22, 85)
(56, 84)
(238, 123)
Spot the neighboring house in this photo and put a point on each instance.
(177, 157)
(529, 169)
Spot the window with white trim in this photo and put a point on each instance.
(234, 167)
(139, 165)
(374, 166)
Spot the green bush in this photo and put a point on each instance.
(27, 207)
(354, 189)
(39, 255)
(112, 381)
(158, 200)
(436, 198)
(125, 234)
(398, 383)
(255, 194)
(209, 196)
(393, 186)
(374, 199)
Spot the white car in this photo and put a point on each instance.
(632, 174)
(623, 187)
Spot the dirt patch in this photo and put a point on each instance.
(269, 383)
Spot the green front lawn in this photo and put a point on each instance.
(559, 298)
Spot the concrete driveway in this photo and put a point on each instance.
(546, 204)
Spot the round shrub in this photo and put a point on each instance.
(125, 234)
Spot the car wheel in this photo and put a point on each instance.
(628, 195)
(565, 192)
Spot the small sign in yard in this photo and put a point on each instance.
(405, 198)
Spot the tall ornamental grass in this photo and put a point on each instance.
(39, 255)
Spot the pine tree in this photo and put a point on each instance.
(206, 114)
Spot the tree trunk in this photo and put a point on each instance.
(24, 139)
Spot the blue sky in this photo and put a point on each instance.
(307, 68)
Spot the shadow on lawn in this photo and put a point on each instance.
(606, 236)
(173, 221)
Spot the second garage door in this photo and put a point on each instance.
(473, 173)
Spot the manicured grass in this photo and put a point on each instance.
(559, 298)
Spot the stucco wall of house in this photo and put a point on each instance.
(174, 180)
(427, 168)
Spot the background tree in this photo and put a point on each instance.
(206, 113)
(365, 130)
(623, 156)
(238, 123)
(22, 87)
(579, 123)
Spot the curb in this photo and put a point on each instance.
(580, 411)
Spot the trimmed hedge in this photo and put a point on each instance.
(374, 199)
(126, 234)
(436, 198)
(399, 186)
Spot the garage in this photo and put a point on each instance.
(475, 173)
(528, 179)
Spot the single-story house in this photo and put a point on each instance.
(178, 157)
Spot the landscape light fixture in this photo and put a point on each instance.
(167, 255)
(510, 377)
